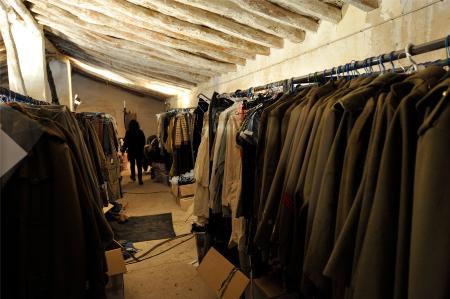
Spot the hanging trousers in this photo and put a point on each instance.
(136, 161)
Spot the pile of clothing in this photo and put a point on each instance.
(339, 188)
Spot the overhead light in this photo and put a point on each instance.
(165, 88)
(160, 87)
(103, 73)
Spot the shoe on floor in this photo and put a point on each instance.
(132, 178)
(141, 183)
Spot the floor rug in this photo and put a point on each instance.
(145, 228)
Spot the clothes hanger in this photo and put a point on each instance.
(354, 69)
(201, 96)
(415, 67)
(381, 65)
(324, 76)
(347, 71)
(399, 63)
(372, 71)
(391, 58)
(366, 68)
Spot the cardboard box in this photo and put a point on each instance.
(115, 288)
(186, 190)
(186, 202)
(221, 276)
(115, 262)
(181, 191)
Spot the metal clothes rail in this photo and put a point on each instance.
(7, 95)
(368, 63)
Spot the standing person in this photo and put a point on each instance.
(134, 143)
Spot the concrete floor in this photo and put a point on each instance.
(172, 274)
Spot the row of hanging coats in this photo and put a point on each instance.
(341, 188)
(175, 135)
(53, 230)
(104, 126)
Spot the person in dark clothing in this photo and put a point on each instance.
(134, 142)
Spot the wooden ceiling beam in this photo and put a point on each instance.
(266, 9)
(158, 20)
(233, 11)
(88, 6)
(315, 8)
(110, 50)
(281, 22)
(157, 38)
(199, 64)
(11, 50)
(108, 45)
(117, 68)
(212, 20)
(200, 45)
(110, 62)
(144, 55)
(126, 63)
(141, 91)
(25, 14)
(366, 5)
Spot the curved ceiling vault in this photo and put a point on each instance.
(178, 42)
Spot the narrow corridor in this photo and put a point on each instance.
(172, 274)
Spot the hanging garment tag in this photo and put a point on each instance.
(10, 153)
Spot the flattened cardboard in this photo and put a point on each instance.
(115, 262)
(214, 269)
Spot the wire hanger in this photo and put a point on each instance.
(391, 58)
(381, 64)
(203, 97)
(324, 75)
(399, 63)
(355, 71)
(415, 67)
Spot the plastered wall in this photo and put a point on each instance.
(359, 35)
(101, 97)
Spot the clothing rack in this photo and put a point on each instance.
(12, 96)
(366, 64)
(176, 110)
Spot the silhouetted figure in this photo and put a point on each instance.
(134, 142)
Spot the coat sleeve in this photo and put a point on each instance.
(142, 139)
(125, 142)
